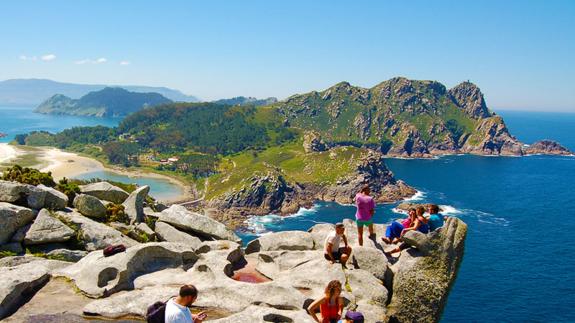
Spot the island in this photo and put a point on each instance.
(245, 160)
(108, 102)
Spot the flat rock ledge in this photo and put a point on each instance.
(411, 287)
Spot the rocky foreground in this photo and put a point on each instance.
(67, 279)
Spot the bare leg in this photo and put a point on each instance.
(345, 255)
(343, 259)
(371, 234)
(360, 234)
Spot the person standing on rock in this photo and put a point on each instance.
(177, 309)
(330, 305)
(364, 214)
(332, 250)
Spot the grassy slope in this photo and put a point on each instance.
(290, 160)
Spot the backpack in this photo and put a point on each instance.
(114, 249)
(156, 313)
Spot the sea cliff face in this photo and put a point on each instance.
(273, 193)
(403, 118)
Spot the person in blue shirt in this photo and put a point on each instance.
(435, 219)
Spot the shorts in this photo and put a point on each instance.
(336, 255)
(364, 223)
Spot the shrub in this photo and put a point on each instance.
(27, 175)
(115, 213)
(69, 188)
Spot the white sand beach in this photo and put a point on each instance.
(7, 152)
(67, 164)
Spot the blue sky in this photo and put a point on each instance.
(521, 53)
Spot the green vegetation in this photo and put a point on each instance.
(107, 102)
(6, 253)
(69, 188)
(219, 147)
(27, 175)
(289, 160)
(115, 213)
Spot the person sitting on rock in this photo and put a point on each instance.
(364, 214)
(419, 224)
(352, 317)
(177, 309)
(435, 219)
(332, 250)
(393, 231)
(330, 305)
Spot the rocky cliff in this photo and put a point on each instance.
(274, 192)
(183, 247)
(405, 118)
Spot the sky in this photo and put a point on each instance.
(520, 53)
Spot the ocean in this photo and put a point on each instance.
(19, 120)
(519, 258)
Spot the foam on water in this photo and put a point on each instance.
(418, 196)
(262, 224)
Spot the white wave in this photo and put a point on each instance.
(398, 211)
(418, 196)
(258, 224)
(449, 210)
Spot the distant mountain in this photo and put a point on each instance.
(242, 100)
(109, 102)
(31, 92)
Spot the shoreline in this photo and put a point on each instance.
(7, 152)
(70, 164)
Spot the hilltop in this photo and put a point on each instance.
(246, 160)
(242, 100)
(402, 117)
(108, 102)
(32, 92)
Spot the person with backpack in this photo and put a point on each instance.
(176, 309)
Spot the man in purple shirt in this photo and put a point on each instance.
(364, 214)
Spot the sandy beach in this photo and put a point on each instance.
(66, 164)
(7, 152)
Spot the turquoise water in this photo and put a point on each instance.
(20, 120)
(160, 189)
(519, 258)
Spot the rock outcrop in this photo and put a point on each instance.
(134, 204)
(289, 265)
(105, 191)
(12, 218)
(35, 197)
(90, 206)
(272, 193)
(401, 118)
(422, 278)
(93, 235)
(99, 276)
(18, 283)
(47, 229)
(547, 147)
(370, 170)
(168, 233)
(198, 224)
(286, 240)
